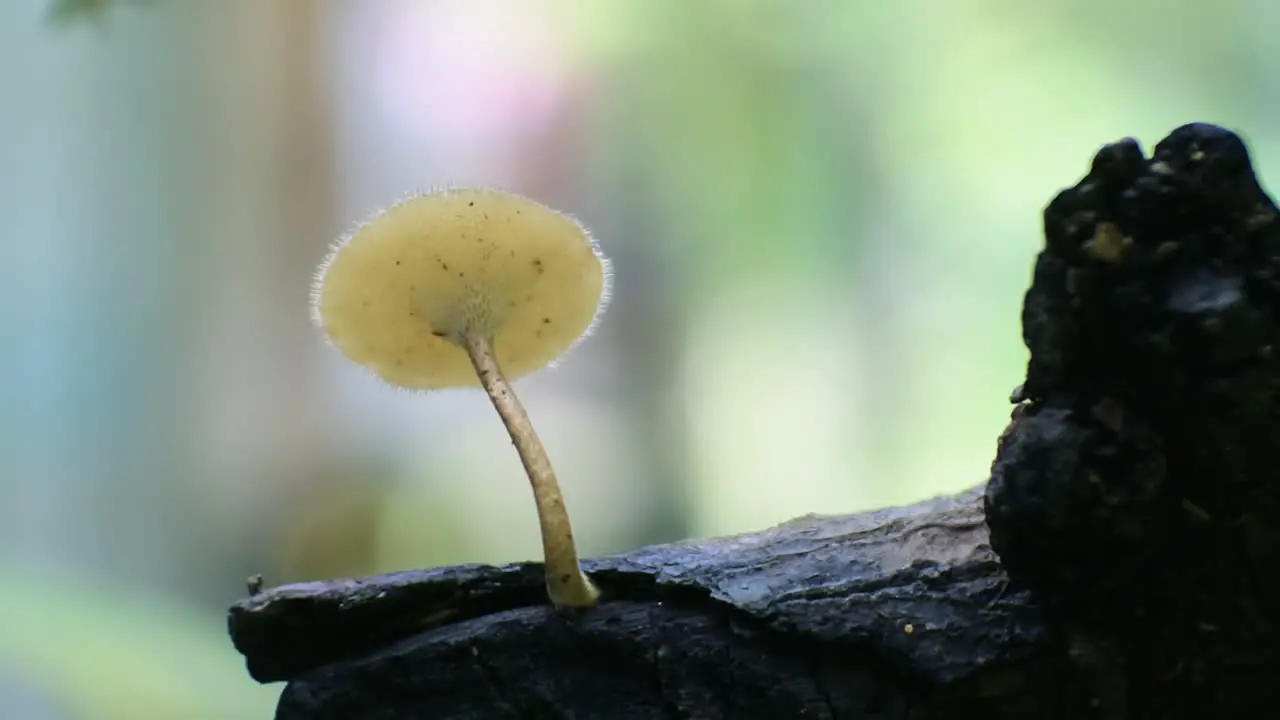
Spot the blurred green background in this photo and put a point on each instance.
(822, 214)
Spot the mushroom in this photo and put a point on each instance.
(472, 287)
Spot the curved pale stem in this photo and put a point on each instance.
(567, 585)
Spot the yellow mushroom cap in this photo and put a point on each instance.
(399, 293)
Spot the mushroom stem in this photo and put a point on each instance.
(567, 585)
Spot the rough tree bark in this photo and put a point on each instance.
(1121, 562)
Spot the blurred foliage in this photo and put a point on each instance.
(106, 652)
(67, 11)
